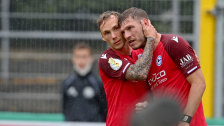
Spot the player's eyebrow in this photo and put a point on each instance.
(106, 31)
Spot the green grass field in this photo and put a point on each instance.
(58, 118)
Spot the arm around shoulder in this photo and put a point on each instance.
(139, 70)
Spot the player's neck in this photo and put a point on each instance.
(158, 38)
(126, 50)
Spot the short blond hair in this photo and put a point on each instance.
(104, 16)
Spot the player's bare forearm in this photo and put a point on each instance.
(139, 70)
(198, 86)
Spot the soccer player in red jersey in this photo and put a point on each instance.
(118, 66)
(174, 70)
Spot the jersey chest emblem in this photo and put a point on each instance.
(159, 60)
(115, 64)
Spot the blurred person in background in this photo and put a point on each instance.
(164, 111)
(83, 94)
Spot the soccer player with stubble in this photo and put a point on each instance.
(119, 65)
(175, 69)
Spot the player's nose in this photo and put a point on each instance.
(127, 35)
(114, 36)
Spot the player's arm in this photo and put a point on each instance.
(112, 65)
(197, 81)
(185, 58)
(139, 70)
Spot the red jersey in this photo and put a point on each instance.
(121, 94)
(174, 60)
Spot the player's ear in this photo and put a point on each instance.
(102, 36)
(146, 21)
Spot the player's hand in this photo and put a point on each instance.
(141, 105)
(183, 124)
(148, 29)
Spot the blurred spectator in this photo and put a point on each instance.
(159, 112)
(83, 93)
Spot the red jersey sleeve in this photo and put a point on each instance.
(181, 53)
(113, 66)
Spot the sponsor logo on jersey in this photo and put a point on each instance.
(104, 56)
(186, 60)
(157, 79)
(159, 60)
(175, 38)
(115, 64)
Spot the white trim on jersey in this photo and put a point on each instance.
(192, 70)
(125, 67)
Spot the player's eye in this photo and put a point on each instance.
(106, 33)
(116, 28)
(129, 28)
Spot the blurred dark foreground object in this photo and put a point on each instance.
(159, 112)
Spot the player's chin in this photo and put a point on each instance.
(118, 47)
(134, 47)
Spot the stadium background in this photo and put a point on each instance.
(37, 38)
